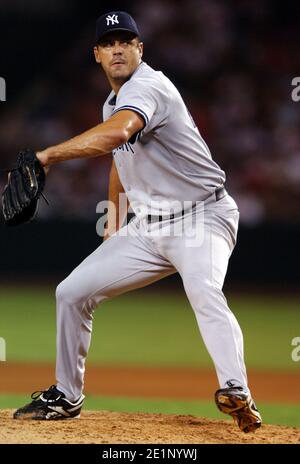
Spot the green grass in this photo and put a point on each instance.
(272, 413)
(144, 328)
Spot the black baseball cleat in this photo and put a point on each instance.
(239, 404)
(50, 404)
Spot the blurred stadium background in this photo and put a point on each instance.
(233, 62)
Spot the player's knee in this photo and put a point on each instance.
(69, 294)
(64, 293)
(60, 292)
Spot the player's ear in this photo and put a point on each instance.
(141, 48)
(97, 55)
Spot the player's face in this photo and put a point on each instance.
(119, 54)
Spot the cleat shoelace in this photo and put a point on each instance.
(49, 395)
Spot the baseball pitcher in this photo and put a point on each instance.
(184, 222)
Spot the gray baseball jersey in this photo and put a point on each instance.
(168, 161)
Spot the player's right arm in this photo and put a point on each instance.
(97, 141)
(117, 211)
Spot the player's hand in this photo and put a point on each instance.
(105, 235)
(108, 231)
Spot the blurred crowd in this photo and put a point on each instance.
(233, 62)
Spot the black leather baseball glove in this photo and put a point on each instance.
(25, 185)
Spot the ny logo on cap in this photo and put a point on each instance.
(112, 19)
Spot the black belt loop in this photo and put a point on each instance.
(220, 193)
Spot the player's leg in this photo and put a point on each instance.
(202, 264)
(219, 327)
(120, 264)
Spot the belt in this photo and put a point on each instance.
(218, 193)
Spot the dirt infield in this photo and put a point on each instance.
(179, 383)
(125, 428)
(111, 427)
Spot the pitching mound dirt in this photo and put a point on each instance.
(111, 427)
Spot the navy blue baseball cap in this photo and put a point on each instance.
(115, 21)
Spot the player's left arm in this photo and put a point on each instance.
(99, 140)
